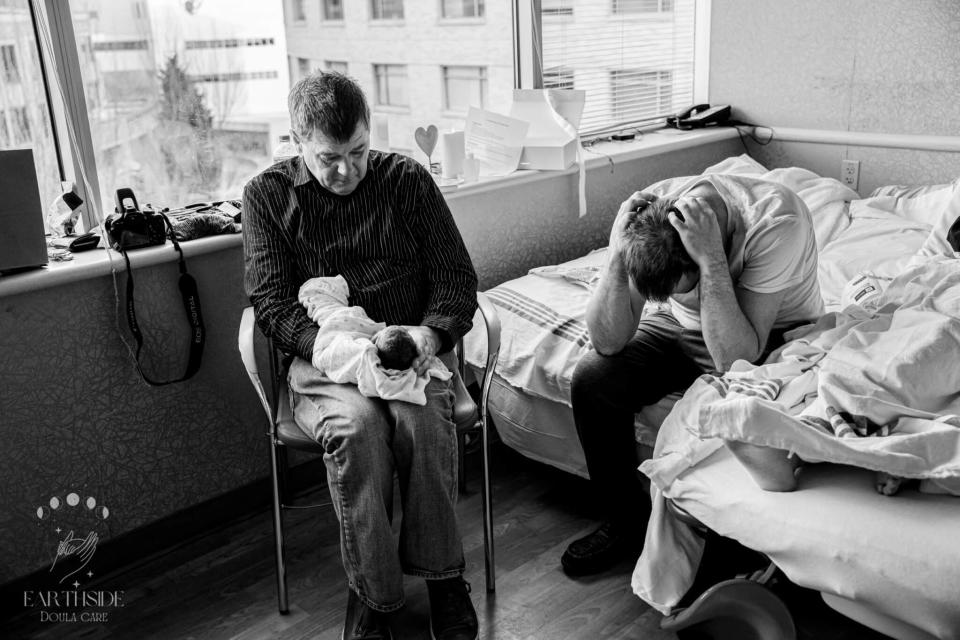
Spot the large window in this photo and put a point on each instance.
(464, 87)
(184, 100)
(386, 9)
(182, 104)
(635, 59)
(391, 82)
(462, 8)
(24, 110)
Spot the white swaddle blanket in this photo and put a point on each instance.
(344, 350)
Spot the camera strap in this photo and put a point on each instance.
(191, 305)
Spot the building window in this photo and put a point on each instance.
(552, 8)
(642, 6)
(462, 8)
(121, 45)
(303, 67)
(336, 65)
(640, 95)
(558, 78)
(298, 10)
(464, 87)
(333, 9)
(391, 82)
(386, 9)
(228, 43)
(8, 55)
(234, 76)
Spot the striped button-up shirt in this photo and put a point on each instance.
(393, 239)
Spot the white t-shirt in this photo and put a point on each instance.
(771, 248)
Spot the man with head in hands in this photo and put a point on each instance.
(735, 260)
(379, 220)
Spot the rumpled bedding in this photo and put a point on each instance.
(874, 390)
(345, 353)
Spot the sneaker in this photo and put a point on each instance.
(452, 616)
(602, 549)
(362, 622)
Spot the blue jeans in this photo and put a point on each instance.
(366, 441)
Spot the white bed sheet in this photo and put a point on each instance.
(836, 534)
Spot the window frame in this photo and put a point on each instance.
(376, 7)
(378, 98)
(326, 8)
(482, 79)
(479, 7)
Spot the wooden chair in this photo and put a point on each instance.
(284, 433)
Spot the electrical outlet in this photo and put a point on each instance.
(850, 173)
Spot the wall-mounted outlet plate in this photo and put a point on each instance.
(850, 173)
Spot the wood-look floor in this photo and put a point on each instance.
(222, 585)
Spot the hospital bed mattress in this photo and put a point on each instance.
(870, 555)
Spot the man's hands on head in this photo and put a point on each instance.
(628, 211)
(428, 343)
(700, 232)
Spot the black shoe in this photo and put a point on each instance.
(363, 623)
(452, 616)
(602, 549)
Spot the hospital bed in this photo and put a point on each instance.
(891, 563)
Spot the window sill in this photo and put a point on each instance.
(100, 262)
(602, 154)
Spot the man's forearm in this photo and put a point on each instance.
(727, 331)
(611, 316)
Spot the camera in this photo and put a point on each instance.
(131, 228)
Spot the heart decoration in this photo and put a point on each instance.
(426, 139)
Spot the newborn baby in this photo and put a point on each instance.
(352, 348)
(396, 347)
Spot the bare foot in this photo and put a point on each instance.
(770, 468)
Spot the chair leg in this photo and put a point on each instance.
(486, 496)
(461, 460)
(275, 459)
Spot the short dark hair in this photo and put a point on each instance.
(330, 102)
(653, 252)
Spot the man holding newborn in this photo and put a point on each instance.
(735, 260)
(378, 220)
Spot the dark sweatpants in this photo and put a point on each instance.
(662, 357)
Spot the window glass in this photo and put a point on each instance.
(336, 65)
(185, 102)
(464, 87)
(642, 6)
(633, 58)
(298, 9)
(391, 82)
(558, 78)
(386, 9)
(24, 110)
(333, 9)
(462, 8)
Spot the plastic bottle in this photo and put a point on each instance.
(285, 150)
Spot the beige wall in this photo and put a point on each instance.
(859, 65)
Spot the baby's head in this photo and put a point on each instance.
(396, 348)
